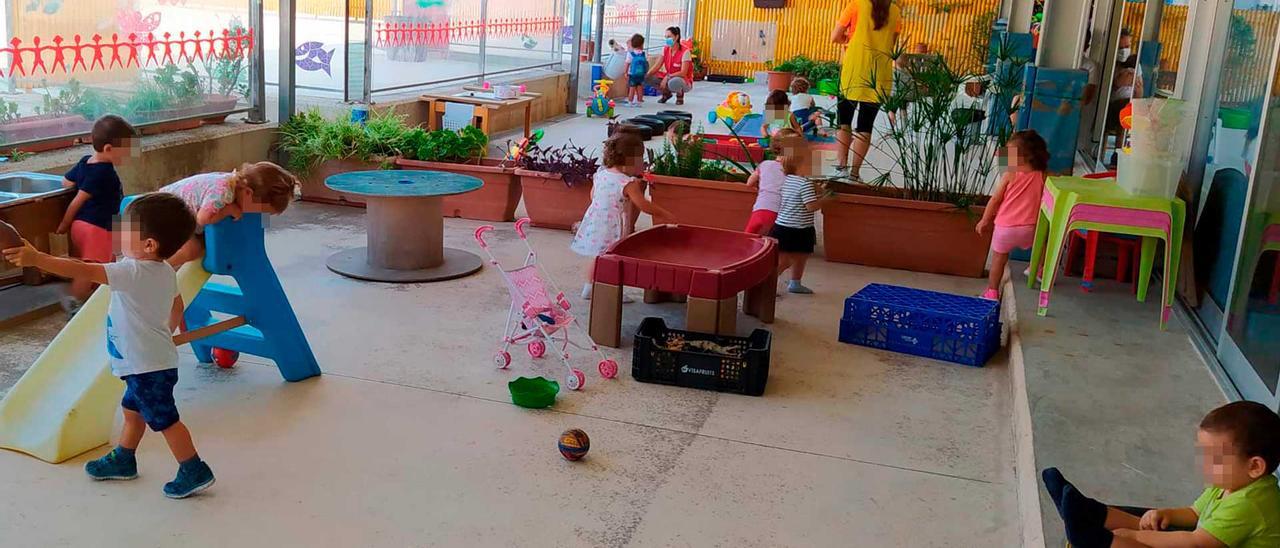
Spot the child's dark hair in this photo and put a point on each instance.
(800, 85)
(1032, 148)
(1253, 428)
(777, 99)
(622, 149)
(111, 130)
(162, 217)
(637, 41)
(270, 183)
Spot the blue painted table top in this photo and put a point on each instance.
(393, 183)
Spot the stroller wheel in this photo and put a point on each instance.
(608, 369)
(575, 380)
(502, 359)
(537, 349)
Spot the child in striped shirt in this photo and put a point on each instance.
(794, 226)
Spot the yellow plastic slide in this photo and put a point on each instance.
(66, 402)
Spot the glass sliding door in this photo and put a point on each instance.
(1237, 234)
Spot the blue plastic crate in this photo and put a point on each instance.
(943, 326)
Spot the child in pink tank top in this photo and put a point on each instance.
(1015, 205)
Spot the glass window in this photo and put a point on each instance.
(151, 62)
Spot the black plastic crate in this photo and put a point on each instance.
(695, 360)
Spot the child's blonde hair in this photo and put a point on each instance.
(271, 184)
(788, 147)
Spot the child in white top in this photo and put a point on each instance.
(140, 321)
(614, 186)
(768, 179)
(803, 106)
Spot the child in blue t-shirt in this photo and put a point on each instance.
(141, 318)
(637, 68)
(97, 200)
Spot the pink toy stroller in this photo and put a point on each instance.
(536, 318)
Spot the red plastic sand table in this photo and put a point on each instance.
(710, 266)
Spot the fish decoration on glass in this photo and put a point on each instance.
(311, 57)
(528, 42)
(49, 7)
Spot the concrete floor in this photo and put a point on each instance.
(409, 439)
(1114, 401)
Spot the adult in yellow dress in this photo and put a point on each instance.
(868, 29)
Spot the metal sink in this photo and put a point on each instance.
(25, 184)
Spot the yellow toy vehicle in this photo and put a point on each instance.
(734, 108)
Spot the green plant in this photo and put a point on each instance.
(227, 73)
(980, 31)
(796, 65)
(309, 138)
(936, 155)
(695, 52)
(445, 145)
(93, 104)
(149, 97)
(823, 70)
(8, 111)
(685, 158)
(67, 101)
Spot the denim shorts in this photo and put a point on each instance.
(151, 395)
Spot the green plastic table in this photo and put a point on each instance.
(1063, 195)
(406, 226)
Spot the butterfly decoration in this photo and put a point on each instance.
(49, 7)
(132, 22)
(311, 57)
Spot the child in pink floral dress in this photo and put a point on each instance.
(262, 187)
(612, 188)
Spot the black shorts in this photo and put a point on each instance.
(866, 114)
(151, 395)
(794, 240)
(635, 80)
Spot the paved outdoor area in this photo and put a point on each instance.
(409, 439)
(1114, 401)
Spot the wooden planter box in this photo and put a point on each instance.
(873, 229)
(699, 202)
(495, 201)
(44, 126)
(313, 189)
(549, 202)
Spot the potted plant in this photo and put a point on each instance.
(918, 213)
(463, 151)
(55, 117)
(318, 147)
(698, 191)
(825, 76)
(556, 182)
(699, 65)
(780, 75)
(168, 102)
(226, 77)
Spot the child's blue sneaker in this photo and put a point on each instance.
(794, 286)
(119, 464)
(194, 476)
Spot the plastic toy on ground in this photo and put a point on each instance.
(708, 266)
(533, 392)
(734, 108)
(540, 314)
(66, 402)
(574, 444)
(600, 105)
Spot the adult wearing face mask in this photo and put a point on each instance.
(677, 62)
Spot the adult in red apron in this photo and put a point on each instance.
(677, 62)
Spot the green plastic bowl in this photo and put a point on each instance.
(533, 392)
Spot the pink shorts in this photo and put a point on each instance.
(91, 242)
(1008, 238)
(761, 222)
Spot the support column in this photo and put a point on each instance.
(1062, 34)
(286, 92)
(257, 66)
(575, 64)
